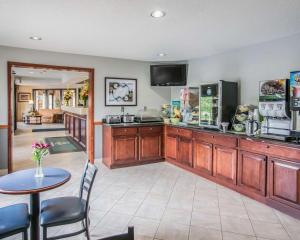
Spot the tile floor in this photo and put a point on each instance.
(168, 203)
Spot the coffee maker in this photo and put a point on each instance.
(274, 106)
(295, 103)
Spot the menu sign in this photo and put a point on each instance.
(273, 90)
(295, 90)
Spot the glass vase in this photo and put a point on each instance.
(39, 170)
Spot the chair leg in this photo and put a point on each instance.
(25, 235)
(87, 231)
(44, 233)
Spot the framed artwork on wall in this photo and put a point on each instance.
(120, 91)
(24, 97)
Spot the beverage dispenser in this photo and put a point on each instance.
(295, 103)
(274, 107)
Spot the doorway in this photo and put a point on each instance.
(46, 109)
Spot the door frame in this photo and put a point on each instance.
(91, 133)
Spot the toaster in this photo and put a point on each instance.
(128, 118)
(111, 119)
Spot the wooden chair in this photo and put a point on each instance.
(125, 236)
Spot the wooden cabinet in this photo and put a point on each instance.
(150, 143)
(125, 146)
(179, 145)
(185, 151)
(171, 147)
(75, 126)
(203, 157)
(284, 181)
(252, 172)
(225, 164)
(125, 149)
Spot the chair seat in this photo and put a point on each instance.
(63, 210)
(14, 218)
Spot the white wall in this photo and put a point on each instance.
(271, 60)
(152, 97)
(147, 95)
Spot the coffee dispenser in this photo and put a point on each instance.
(295, 103)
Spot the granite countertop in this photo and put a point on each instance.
(216, 131)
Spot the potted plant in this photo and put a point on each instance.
(84, 93)
(40, 150)
(67, 97)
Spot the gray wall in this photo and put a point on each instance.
(151, 97)
(271, 60)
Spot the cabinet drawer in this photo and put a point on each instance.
(184, 133)
(255, 146)
(226, 141)
(124, 131)
(171, 131)
(204, 137)
(284, 152)
(154, 129)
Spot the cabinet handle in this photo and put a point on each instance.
(151, 129)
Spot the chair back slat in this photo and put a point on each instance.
(87, 182)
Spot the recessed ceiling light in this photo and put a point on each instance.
(162, 54)
(158, 14)
(35, 38)
(31, 72)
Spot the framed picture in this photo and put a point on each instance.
(24, 97)
(120, 91)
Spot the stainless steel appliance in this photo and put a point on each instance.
(217, 103)
(113, 119)
(274, 107)
(148, 115)
(128, 118)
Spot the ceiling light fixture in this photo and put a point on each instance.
(162, 54)
(158, 14)
(36, 38)
(31, 72)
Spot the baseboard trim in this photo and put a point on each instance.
(3, 172)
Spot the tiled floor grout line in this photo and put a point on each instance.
(192, 209)
(283, 225)
(220, 212)
(249, 218)
(160, 220)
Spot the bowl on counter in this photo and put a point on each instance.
(175, 120)
(241, 117)
(238, 127)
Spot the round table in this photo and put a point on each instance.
(24, 182)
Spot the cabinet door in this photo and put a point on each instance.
(125, 149)
(225, 164)
(252, 172)
(185, 151)
(284, 181)
(203, 157)
(150, 147)
(171, 147)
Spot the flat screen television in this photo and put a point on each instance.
(168, 75)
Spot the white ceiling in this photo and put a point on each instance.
(48, 77)
(124, 28)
